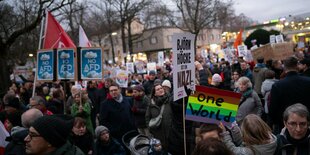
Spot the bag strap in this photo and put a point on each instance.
(161, 108)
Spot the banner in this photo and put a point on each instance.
(183, 64)
(83, 40)
(122, 78)
(55, 36)
(45, 65)
(238, 41)
(210, 105)
(130, 67)
(91, 63)
(65, 64)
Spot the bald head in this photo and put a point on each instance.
(30, 116)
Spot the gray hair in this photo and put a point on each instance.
(244, 80)
(30, 116)
(298, 109)
(38, 99)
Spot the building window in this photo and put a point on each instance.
(139, 44)
(153, 40)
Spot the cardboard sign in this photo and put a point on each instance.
(183, 63)
(122, 78)
(242, 50)
(210, 105)
(151, 67)
(140, 67)
(279, 51)
(91, 64)
(45, 65)
(279, 38)
(161, 58)
(65, 64)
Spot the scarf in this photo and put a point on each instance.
(160, 100)
(119, 99)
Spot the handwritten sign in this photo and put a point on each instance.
(122, 78)
(140, 67)
(183, 62)
(65, 64)
(130, 67)
(242, 50)
(210, 105)
(272, 39)
(45, 65)
(91, 64)
(161, 58)
(279, 38)
(151, 67)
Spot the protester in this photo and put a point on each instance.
(74, 90)
(259, 76)
(256, 135)
(295, 137)
(159, 100)
(167, 86)
(81, 137)
(105, 144)
(207, 131)
(288, 91)
(48, 135)
(217, 81)
(148, 85)
(235, 78)
(39, 103)
(211, 146)
(116, 114)
(245, 70)
(250, 102)
(304, 67)
(140, 104)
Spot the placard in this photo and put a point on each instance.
(161, 58)
(130, 67)
(140, 67)
(242, 50)
(272, 39)
(211, 105)
(122, 78)
(183, 63)
(45, 65)
(151, 67)
(66, 64)
(91, 64)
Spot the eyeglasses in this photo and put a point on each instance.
(295, 124)
(32, 135)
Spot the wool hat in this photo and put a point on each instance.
(152, 72)
(216, 78)
(14, 102)
(100, 129)
(53, 129)
(138, 88)
(166, 83)
(157, 81)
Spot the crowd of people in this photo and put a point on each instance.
(68, 118)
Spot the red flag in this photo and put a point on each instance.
(238, 41)
(55, 36)
(83, 40)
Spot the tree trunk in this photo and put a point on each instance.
(4, 76)
(130, 46)
(123, 38)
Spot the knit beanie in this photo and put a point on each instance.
(14, 102)
(100, 129)
(166, 83)
(216, 78)
(138, 88)
(53, 129)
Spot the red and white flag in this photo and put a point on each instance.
(83, 40)
(54, 34)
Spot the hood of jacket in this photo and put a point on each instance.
(269, 148)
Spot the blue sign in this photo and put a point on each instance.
(91, 64)
(65, 64)
(45, 65)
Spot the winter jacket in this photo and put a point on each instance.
(259, 76)
(84, 142)
(286, 146)
(17, 144)
(265, 91)
(139, 110)
(162, 132)
(148, 86)
(306, 73)
(67, 149)
(112, 148)
(247, 73)
(85, 114)
(250, 104)
(263, 149)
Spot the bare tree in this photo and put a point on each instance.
(197, 15)
(18, 18)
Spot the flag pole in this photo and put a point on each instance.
(39, 47)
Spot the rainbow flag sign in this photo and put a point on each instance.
(210, 105)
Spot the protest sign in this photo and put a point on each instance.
(130, 67)
(140, 67)
(122, 78)
(183, 63)
(272, 39)
(91, 64)
(242, 50)
(45, 65)
(161, 58)
(278, 51)
(151, 67)
(279, 38)
(66, 64)
(210, 105)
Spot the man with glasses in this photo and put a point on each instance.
(39, 103)
(48, 135)
(295, 137)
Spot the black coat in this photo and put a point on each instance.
(17, 144)
(288, 91)
(113, 148)
(84, 142)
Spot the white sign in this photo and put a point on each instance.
(161, 58)
(279, 38)
(183, 63)
(242, 50)
(151, 67)
(122, 78)
(272, 39)
(130, 67)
